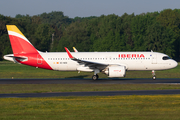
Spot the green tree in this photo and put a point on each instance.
(161, 39)
(171, 19)
(43, 35)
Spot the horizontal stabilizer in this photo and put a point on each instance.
(13, 58)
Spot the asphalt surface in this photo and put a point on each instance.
(105, 93)
(89, 81)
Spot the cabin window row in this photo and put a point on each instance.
(131, 58)
(58, 58)
(100, 58)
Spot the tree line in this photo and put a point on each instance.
(157, 31)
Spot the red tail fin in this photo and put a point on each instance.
(20, 44)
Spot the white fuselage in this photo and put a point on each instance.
(131, 60)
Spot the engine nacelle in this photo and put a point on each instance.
(116, 71)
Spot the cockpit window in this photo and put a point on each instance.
(166, 58)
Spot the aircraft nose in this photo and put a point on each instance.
(174, 64)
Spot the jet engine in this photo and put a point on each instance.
(116, 71)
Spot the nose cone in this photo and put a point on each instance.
(174, 64)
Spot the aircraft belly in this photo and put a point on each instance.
(160, 66)
(140, 65)
(137, 67)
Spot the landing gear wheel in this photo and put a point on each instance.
(154, 77)
(95, 77)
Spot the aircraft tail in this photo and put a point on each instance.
(19, 43)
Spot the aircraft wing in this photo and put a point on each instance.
(87, 63)
(75, 50)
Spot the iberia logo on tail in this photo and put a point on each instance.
(19, 42)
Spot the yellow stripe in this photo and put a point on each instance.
(14, 29)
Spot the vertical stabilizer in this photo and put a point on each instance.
(20, 44)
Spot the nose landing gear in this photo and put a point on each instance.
(154, 75)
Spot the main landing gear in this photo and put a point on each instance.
(95, 76)
(154, 76)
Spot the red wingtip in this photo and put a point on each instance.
(68, 52)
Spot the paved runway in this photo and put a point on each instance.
(104, 93)
(90, 81)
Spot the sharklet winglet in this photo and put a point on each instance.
(68, 52)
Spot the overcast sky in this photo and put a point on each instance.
(84, 8)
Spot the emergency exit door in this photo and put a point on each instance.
(39, 59)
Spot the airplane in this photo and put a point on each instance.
(113, 64)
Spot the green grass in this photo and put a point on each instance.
(43, 88)
(12, 70)
(152, 107)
